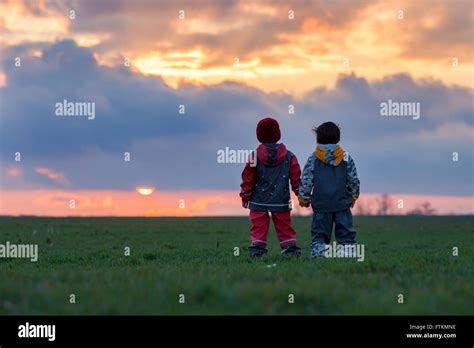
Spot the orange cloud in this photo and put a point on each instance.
(22, 23)
(52, 175)
(14, 172)
(274, 52)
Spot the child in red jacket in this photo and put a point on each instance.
(265, 188)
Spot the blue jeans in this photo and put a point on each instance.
(321, 227)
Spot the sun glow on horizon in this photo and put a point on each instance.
(145, 191)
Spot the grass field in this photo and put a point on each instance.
(194, 256)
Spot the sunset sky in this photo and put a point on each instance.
(229, 64)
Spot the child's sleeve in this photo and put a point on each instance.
(306, 186)
(295, 174)
(248, 182)
(353, 183)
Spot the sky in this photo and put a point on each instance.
(172, 83)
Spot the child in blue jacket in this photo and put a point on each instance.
(330, 184)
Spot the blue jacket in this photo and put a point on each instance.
(329, 179)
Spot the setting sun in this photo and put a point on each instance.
(145, 191)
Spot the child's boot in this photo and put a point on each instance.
(257, 250)
(318, 249)
(291, 249)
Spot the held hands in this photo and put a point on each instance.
(354, 200)
(303, 202)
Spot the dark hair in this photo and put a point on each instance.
(327, 133)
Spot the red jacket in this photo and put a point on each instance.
(249, 173)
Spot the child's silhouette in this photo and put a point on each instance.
(265, 188)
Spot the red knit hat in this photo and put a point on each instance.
(268, 131)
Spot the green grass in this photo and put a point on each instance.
(194, 257)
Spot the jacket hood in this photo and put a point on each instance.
(331, 154)
(271, 154)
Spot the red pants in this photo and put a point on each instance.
(260, 221)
